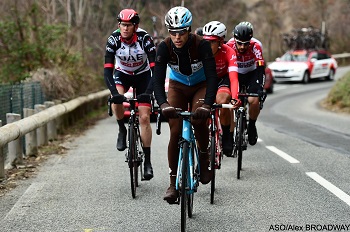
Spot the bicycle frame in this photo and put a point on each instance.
(188, 136)
(216, 131)
(134, 155)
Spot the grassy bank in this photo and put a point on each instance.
(338, 98)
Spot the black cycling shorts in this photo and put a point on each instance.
(224, 82)
(139, 81)
(249, 80)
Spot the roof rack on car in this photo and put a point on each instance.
(305, 38)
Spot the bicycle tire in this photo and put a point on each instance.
(184, 185)
(212, 167)
(190, 195)
(133, 166)
(240, 138)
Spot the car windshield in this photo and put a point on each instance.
(301, 57)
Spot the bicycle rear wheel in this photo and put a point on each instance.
(212, 167)
(184, 185)
(133, 162)
(240, 134)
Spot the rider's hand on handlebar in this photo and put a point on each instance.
(144, 98)
(168, 111)
(117, 98)
(236, 103)
(202, 112)
(262, 94)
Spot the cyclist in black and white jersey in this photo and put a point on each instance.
(129, 59)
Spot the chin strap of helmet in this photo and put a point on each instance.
(130, 41)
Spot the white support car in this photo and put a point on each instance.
(304, 65)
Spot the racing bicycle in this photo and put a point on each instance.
(241, 128)
(134, 153)
(187, 177)
(215, 141)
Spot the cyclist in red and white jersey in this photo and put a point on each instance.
(129, 58)
(226, 68)
(251, 71)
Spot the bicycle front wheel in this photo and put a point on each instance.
(133, 161)
(240, 134)
(212, 167)
(190, 193)
(184, 185)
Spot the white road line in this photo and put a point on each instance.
(282, 154)
(330, 187)
(25, 201)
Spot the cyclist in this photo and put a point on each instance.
(226, 68)
(251, 71)
(192, 77)
(130, 54)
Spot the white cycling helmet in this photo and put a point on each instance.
(178, 17)
(214, 30)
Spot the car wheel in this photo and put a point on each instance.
(306, 78)
(330, 77)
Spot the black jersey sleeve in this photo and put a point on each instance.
(209, 66)
(109, 64)
(159, 75)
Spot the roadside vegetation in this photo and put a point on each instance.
(338, 99)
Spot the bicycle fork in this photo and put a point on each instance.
(187, 137)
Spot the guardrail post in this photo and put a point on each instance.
(31, 137)
(51, 125)
(2, 161)
(15, 154)
(41, 132)
(59, 120)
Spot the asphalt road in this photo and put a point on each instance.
(296, 177)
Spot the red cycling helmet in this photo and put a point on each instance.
(128, 15)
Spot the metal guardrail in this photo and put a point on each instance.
(342, 55)
(13, 131)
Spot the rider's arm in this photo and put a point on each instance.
(260, 64)
(209, 65)
(150, 49)
(109, 65)
(231, 58)
(159, 74)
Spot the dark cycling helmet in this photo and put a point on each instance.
(243, 31)
(199, 31)
(128, 15)
(178, 17)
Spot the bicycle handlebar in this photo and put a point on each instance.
(248, 95)
(225, 106)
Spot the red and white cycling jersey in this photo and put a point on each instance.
(249, 60)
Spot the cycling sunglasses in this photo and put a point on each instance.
(242, 43)
(178, 31)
